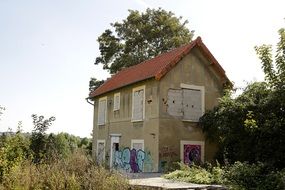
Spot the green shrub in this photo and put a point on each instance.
(246, 176)
(238, 176)
(197, 174)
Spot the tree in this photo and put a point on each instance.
(139, 37)
(39, 138)
(274, 71)
(251, 127)
(94, 84)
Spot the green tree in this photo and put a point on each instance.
(13, 150)
(38, 137)
(94, 84)
(251, 127)
(141, 36)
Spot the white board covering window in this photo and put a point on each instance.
(116, 101)
(138, 104)
(102, 111)
(192, 104)
(187, 103)
(174, 102)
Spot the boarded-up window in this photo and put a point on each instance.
(138, 105)
(116, 101)
(185, 103)
(174, 102)
(192, 104)
(102, 109)
(100, 151)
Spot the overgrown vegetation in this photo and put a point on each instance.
(238, 176)
(251, 127)
(250, 131)
(42, 161)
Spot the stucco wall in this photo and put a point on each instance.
(119, 123)
(193, 69)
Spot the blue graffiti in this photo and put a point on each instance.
(129, 160)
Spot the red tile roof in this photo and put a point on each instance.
(156, 68)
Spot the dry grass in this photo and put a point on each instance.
(76, 172)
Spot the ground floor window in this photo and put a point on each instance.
(192, 151)
(137, 144)
(100, 151)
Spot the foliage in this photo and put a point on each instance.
(75, 172)
(251, 127)
(274, 71)
(197, 174)
(238, 176)
(94, 84)
(38, 138)
(63, 162)
(141, 36)
(13, 150)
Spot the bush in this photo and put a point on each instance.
(197, 174)
(245, 176)
(238, 176)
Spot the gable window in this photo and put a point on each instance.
(138, 99)
(102, 111)
(187, 102)
(116, 101)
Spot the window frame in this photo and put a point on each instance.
(137, 141)
(118, 106)
(101, 99)
(195, 87)
(143, 106)
(201, 143)
(97, 148)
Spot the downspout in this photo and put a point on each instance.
(88, 101)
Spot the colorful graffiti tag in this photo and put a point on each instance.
(131, 160)
(192, 153)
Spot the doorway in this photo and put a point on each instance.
(115, 144)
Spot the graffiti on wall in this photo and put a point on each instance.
(192, 153)
(132, 160)
(167, 152)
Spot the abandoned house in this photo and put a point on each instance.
(146, 116)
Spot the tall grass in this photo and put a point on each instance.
(75, 172)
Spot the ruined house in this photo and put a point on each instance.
(146, 116)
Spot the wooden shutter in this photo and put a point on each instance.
(117, 101)
(192, 104)
(174, 102)
(102, 112)
(138, 98)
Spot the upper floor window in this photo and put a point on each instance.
(138, 99)
(102, 111)
(187, 102)
(116, 101)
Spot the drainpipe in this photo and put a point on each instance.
(88, 101)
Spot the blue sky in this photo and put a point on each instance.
(47, 50)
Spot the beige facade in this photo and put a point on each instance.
(166, 130)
